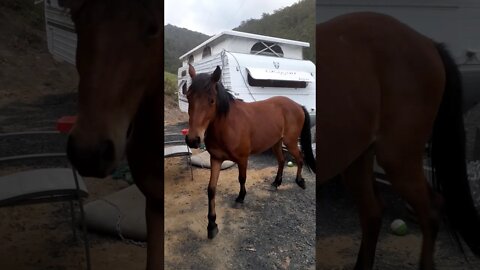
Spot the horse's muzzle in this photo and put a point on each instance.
(91, 161)
(193, 143)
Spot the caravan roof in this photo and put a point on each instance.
(230, 34)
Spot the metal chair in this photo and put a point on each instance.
(43, 185)
(175, 146)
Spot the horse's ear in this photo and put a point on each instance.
(216, 74)
(191, 71)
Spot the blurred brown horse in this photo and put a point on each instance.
(233, 130)
(383, 90)
(120, 99)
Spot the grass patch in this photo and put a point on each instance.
(170, 85)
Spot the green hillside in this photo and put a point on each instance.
(177, 42)
(170, 84)
(296, 22)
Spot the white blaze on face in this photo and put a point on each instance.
(202, 135)
(198, 124)
(200, 132)
(119, 137)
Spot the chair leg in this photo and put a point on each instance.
(85, 235)
(190, 165)
(82, 219)
(72, 213)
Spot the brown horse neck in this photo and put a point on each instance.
(236, 109)
(218, 124)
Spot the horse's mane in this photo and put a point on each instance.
(224, 96)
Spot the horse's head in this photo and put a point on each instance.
(206, 97)
(119, 62)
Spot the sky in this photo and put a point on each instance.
(212, 16)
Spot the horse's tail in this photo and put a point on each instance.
(306, 142)
(448, 157)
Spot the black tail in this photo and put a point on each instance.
(448, 157)
(306, 142)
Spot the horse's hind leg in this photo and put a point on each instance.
(277, 150)
(359, 180)
(242, 178)
(292, 147)
(409, 181)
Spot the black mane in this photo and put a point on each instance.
(224, 98)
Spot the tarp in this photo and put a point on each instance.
(121, 214)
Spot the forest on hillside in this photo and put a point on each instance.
(295, 22)
(177, 42)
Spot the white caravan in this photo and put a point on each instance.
(254, 67)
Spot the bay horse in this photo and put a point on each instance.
(119, 59)
(384, 91)
(233, 130)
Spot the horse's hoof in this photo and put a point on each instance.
(301, 183)
(241, 196)
(212, 232)
(237, 205)
(276, 184)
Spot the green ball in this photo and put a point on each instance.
(290, 164)
(399, 227)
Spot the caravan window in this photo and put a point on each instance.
(207, 51)
(275, 83)
(278, 78)
(183, 86)
(267, 48)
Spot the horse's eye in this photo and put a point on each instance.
(211, 100)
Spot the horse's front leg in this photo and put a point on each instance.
(144, 167)
(155, 249)
(212, 227)
(152, 188)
